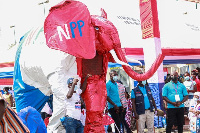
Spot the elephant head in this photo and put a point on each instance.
(68, 29)
(66, 17)
(107, 35)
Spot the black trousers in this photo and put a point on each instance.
(43, 115)
(117, 117)
(124, 124)
(175, 114)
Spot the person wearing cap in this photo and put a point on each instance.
(191, 89)
(194, 104)
(143, 104)
(72, 120)
(175, 94)
(194, 111)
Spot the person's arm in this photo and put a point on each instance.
(192, 110)
(165, 93)
(185, 94)
(109, 100)
(168, 101)
(195, 89)
(154, 104)
(11, 99)
(2, 108)
(71, 90)
(134, 108)
(133, 105)
(165, 104)
(84, 85)
(115, 106)
(184, 99)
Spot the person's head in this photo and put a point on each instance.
(175, 77)
(69, 82)
(5, 89)
(72, 81)
(196, 96)
(168, 79)
(187, 76)
(193, 75)
(142, 83)
(198, 70)
(113, 76)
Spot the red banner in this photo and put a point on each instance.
(166, 51)
(8, 64)
(6, 81)
(149, 19)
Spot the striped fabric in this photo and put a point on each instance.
(6, 74)
(7, 64)
(121, 90)
(11, 123)
(149, 19)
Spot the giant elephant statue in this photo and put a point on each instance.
(72, 43)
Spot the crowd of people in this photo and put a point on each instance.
(130, 111)
(126, 112)
(181, 99)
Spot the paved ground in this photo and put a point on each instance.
(162, 130)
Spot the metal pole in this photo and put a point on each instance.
(43, 3)
(15, 37)
(13, 26)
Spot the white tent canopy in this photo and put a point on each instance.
(179, 21)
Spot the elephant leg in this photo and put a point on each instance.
(59, 89)
(67, 68)
(95, 99)
(55, 125)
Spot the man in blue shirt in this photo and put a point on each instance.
(175, 94)
(143, 103)
(114, 104)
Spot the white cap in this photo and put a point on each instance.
(197, 93)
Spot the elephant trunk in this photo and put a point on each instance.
(132, 73)
(117, 59)
(133, 60)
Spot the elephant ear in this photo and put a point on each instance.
(68, 28)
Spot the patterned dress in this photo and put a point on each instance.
(10, 122)
(130, 119)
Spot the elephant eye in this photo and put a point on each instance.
(96, 28)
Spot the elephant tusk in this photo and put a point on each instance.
(133, 60)
(117, 59)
